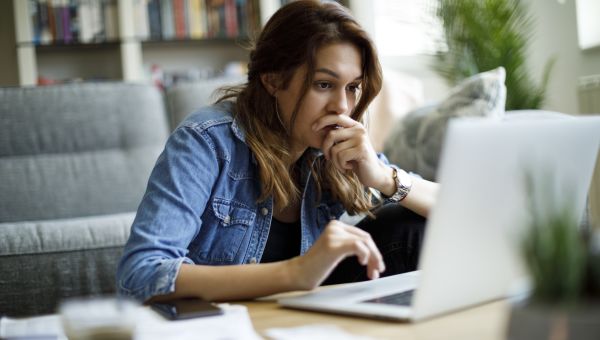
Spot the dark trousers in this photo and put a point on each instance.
(398, 234)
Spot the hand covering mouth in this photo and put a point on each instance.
(332, 127)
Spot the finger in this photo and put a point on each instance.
(365, 256)
(335, 137)
(332, 138)
(361, 251)
(346, 158)
(333, 119)
(376, 257)
(335, 154)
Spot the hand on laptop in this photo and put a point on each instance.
(337, 242)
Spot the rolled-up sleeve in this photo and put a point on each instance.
(168, 218)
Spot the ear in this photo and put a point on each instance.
(271, 82)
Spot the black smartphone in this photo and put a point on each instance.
(186, 308)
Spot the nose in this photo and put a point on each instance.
(338, 103)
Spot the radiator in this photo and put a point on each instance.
(589, 94)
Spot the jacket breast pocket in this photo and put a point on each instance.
(224, 231)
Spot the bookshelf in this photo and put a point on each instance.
(127, 55)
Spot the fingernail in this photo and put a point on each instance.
(375, 274)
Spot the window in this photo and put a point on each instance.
(588, 25)
(407, 27)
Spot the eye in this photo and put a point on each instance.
(354, 88)
(323, 85)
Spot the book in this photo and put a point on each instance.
(74, 20)
(58, 26)
(168, 24)
(154, 19)
(196, 18)
(84, 13)
(66, 21)
(96, 18)
(231, 20)
(179, 18)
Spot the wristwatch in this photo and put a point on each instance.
(403, 184)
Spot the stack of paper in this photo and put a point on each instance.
(233, 324)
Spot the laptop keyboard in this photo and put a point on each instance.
(401, 299)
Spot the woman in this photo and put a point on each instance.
(244, 200)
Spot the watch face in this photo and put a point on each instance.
(406, 180)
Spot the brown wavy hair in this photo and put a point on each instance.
(289, 40)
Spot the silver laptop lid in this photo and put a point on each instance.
(470, 254)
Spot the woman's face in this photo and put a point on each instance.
(334, 91)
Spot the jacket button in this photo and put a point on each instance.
(264, 211)
(253, 260)
(227, 219)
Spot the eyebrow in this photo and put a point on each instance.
(333, 74)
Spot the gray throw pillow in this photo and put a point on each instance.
(416, 141)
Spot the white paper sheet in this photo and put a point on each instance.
(312, 332)
(40, 326)
(233, 324)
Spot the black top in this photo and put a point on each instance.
(283, 242)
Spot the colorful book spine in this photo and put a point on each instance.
(74, 20)
(197, 19)
(154, 19)
(168, 24)
(66, 22)
(231, 22)
(186, 17)
(58, 27)
(242, 17)
(86, 21)
(179, 18)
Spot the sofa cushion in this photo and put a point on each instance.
(77, 150)
(61, 235)
(46, 261)
(185, 98)
(416, 141)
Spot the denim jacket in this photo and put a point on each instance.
(200, 206)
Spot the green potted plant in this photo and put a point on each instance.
(563, 261)
(481, 35)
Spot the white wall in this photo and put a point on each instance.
(556, 35)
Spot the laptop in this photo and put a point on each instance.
(470, 251)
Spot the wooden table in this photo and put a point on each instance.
(485, 322)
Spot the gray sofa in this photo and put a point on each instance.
(74, 162)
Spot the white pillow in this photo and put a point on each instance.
(416, 141)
